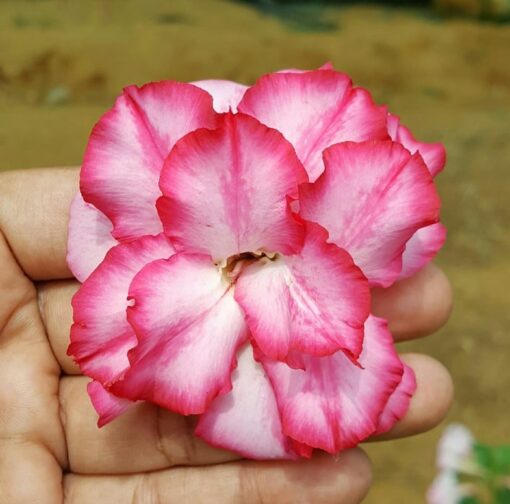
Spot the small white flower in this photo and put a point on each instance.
(444, 489)
(455, 448)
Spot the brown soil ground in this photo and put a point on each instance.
(62, 63)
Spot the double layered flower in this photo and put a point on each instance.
(228, 239)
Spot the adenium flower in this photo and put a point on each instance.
(228, 238)
(455, 456)
(455, 451)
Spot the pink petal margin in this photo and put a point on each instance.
(101, 335)
(107, 406)
(334, 404)
(426, 242)
(422, 248)
(89, 238)
(372, 197)
(398, 403)
(314, 110)
(226, 191)
(127, 148)
(326, 66)
(226, 94)
(314, 302)
(434, 154)
(246, 420)
(188, 328)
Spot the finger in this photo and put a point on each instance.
(57, 314)
(431, 401)
(159, 438)
(32, 444)
(29, 474)
(162, 439)
(34, 208)
(416, 306)
(321, 480)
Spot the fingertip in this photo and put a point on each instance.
(434, 393)
(359, 469)
(354, 464)
(415, 306)
(431, 401)
(439, 297)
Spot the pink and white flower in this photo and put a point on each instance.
(227, 239)
(455, 451)
(455, 458)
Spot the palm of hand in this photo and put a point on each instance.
(51, 450)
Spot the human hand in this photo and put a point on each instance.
(51, 450)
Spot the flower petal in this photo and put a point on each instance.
(314, 302)
(101, 335)
(226, 191)
(434, 154)
(188, 328)
(398, 403)
(127, 148)
(314, 110)
(108, 406)
(246, 420)
(334, 404)
(426, 242)
(371, 198)
(226, 94)
(89, 238)
(422, 248)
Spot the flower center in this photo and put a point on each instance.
(231, 267)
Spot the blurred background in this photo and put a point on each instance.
(444, 67)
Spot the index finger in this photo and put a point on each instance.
(34, 209)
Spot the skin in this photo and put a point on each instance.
(51, 450)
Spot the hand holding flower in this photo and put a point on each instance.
(134, 457)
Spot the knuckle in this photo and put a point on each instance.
(146, 491)
(175, 439)
(162, 444)
(250, 491)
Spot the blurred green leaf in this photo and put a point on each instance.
(502, 496)
(501, 456)
(469, 500)
(298, 15)
(494, 459)
(483, 456)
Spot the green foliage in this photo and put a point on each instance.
(494, 462)
(469, 500)
(298, 15)
(493, 459)
(502, 496)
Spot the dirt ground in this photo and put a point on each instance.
(62, 63)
